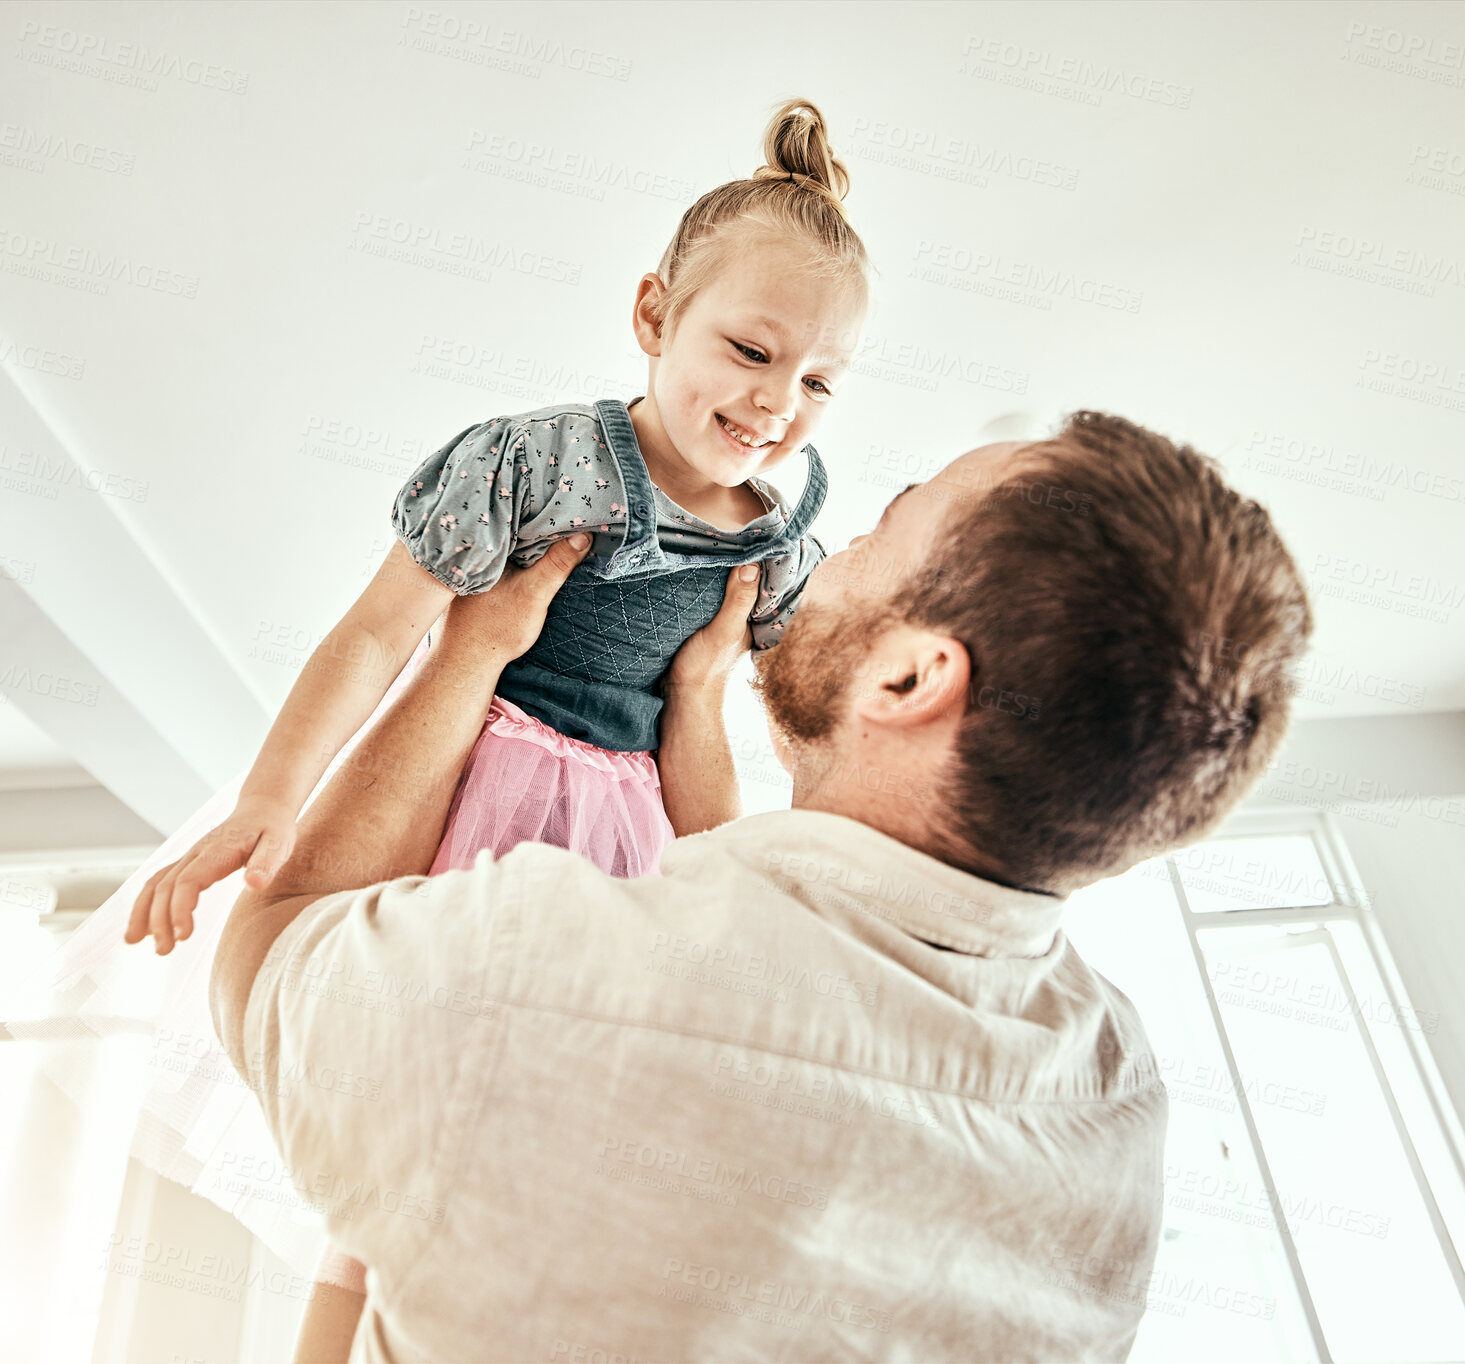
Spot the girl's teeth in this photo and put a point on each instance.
(740, 436)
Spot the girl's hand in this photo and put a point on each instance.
(712, 653)
(501, 623)
(260, 832)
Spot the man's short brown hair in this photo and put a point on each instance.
(1131, 621)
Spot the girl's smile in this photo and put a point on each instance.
(745, 375)
(744, 439)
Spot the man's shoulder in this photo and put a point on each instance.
(569, 908)
(1123, 1055)
(704, 871)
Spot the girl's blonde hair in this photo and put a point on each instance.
(795, 196)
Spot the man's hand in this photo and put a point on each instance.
(382, 814)
(699, 784)
(508, 617)
(713, 652)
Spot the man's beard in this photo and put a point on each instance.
(803, 681)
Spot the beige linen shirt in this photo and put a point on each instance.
(809, 1094)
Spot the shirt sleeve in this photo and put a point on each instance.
(459, 513)
(776, 608)
(366, 1027)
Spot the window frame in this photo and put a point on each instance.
(1346, 904)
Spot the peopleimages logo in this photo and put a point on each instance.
(569, 170)
(1019, 281)
(1412, 46)
(29, 148)
(45, 475)
(935, 152)
(84, 267)
(462, 253)
(1410, 268)
(484, 44)
(1364, 474)
(1018, 64)
(834, 1091)
(41, 359)
(732, 961)
(730, 1291)
(712, 1171)
(93, 54)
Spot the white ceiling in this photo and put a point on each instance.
(250, 398)
(31, 757)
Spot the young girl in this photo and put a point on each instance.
(749, 323)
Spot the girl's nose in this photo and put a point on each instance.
(778, 399)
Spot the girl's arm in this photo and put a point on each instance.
(344, 679)
(337, 690)
(459, 513)
(699, 785)
(329, 1325)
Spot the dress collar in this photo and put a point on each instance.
(776, 512)
(807, 850)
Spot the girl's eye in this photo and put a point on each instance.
(759, 358)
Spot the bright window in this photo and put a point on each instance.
(1314, 1197)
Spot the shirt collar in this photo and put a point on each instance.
(810, 850)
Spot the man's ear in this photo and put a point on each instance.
(643, 322)
(913, 677)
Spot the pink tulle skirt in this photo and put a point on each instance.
(527, 783)
(198, 1124)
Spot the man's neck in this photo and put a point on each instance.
(845, 788)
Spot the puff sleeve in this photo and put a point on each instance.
(459, 513)
(775, 609)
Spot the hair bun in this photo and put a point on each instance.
(771, 206)
(796, 148)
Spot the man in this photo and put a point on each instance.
(834, 1085)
